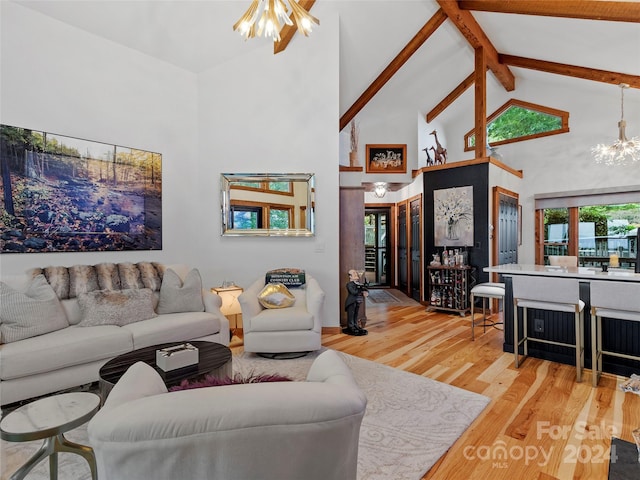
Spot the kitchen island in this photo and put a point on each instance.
(618, 335)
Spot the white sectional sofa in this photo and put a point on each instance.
(71, 356)
(268, 431)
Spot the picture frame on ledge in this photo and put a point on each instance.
(386, 158)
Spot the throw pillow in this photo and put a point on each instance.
(116, 307)
(289, 277)
(34, 312)
(58, 278)
(82, 279)
(276, 295)
(177, 296)
(129, 276)
(150, 277)
(108, 276)
(211, 381)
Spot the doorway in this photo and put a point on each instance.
(377, 246)
(506, 224)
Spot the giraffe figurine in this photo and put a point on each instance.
(437, 158)
(430, 161)
(440, 149)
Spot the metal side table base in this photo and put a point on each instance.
(50, 448)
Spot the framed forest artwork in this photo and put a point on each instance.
(386, 158)
(65, 194)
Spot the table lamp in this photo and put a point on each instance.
(230, 305)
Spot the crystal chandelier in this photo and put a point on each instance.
(379, 189)
(622, 151)
(268, 17)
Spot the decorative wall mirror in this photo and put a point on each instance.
(268, 204)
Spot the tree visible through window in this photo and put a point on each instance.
(516, 121)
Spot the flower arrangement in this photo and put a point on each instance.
(452, 207)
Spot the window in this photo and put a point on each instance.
(556, 232)
(244, 217)
(516, 121)
(251, 215)
(279, 188)
(591, 232)
(279, 218)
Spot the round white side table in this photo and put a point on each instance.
(49, 418)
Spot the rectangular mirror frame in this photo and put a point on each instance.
(233, 181)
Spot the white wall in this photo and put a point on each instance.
(273, 114)
(258, 113)
(60, 79)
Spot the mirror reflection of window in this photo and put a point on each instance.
(279, 218)
(244, 218)
(267, 204)
(280, 187)
(255, 185)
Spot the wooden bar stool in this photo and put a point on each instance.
(620, 300)
(486, 291)
(547, 293)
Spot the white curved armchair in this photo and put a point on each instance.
(254, 431)
(283, 330)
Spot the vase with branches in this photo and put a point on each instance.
(353, 154)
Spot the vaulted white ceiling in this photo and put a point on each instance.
(196, 35)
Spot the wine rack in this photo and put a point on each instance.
(449, 288)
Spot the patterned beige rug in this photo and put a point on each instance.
(410, 422)
(389, 296)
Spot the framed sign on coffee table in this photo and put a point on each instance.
(387, 158)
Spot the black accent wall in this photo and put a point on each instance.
(478, 177)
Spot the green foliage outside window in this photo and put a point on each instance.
(279, 219)
(517, 119)
(517, 122)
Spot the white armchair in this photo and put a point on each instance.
(265, 431)
(283, 330)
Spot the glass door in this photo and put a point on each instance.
(376, 246)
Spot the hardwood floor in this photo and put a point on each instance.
(540, 424)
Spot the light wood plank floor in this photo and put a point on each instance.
(540, 424)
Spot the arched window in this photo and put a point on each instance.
(516, 121)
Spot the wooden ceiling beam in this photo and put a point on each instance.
(480, 76)
(605, 76)
(584, 9)
(288, 31)
(449, 99)
(476, 37)
(414, 44)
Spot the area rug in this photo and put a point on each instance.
(410, 421)
(389, 296)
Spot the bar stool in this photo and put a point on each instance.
(486, 291)
(620, 300)
(547, 293)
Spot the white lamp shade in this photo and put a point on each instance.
(229, 296)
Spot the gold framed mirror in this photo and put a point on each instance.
(268, 204)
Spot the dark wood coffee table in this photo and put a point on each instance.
(214, 359)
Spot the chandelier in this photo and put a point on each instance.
(268, 17)
(379, 189)
(622, 151)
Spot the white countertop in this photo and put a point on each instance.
(586, 273)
